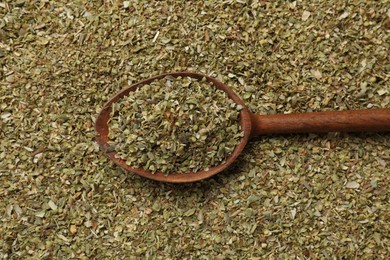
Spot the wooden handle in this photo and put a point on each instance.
(370, 120)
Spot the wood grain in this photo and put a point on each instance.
(370, 120)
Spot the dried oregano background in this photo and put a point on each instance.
(293, 196)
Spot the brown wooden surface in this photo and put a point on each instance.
(370, 120)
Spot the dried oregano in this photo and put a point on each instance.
(175, 125)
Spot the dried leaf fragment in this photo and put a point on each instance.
(73, 229)
(40, 214)
(305, 15)
(317, 74)
(343, 16)
(352, 185)
(293, 213)
(52, 205)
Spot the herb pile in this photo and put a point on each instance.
(175, 125)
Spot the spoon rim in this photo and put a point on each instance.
(101, 128)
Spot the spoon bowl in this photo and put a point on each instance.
(101, 127)
(372, 120)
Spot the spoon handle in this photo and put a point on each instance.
(370, 120)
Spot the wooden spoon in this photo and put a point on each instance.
(372, 120)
